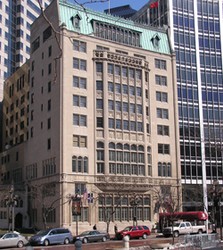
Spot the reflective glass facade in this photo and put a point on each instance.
(196, 36)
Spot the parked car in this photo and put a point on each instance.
(183, 227)
(134, 232)
(52, 236)
(92, 236)
(12, 239)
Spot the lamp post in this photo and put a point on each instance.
(216, 192)
(134, 203)
(11, 202)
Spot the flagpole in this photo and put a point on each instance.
(158, 13)
(109, 6)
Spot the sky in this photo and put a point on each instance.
(101, 6)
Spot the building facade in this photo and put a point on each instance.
(102, 130)
(16, 19)
(197, 37)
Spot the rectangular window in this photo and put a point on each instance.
(79, 82)
(162, 113)
(79, 120)
(49, 143)
(110, 69)
(99, 67)
(79, 141)
(161, 96)
(79, 46)
(79, 64)
(47, 33)
(79, 101)
(163, 148)
(35, 44)
(162, 130)
(99, 104)
(160, 64)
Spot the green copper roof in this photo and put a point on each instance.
(67, 11)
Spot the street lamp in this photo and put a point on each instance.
(11, 202)
(134, 203)
(216, 192)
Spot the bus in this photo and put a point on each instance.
(194, 217)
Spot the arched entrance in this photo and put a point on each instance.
(18, 220)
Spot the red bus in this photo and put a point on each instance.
(195, 217)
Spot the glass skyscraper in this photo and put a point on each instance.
(16, 17)
(196, 33)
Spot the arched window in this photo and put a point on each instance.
(112, 145)
(119, 146)
(85, 165)
(140, 148)
(74, 164)
(159, 169)
(100, 144)
(79, 164)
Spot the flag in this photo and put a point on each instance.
(154, 5)
(85, 196)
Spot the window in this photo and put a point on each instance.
(79, 82)
(79, 101)
(162, 113)
(99, 85)
(100, 122)
(80, 165)
(99, 104)
(49, 123)
(79, 141)
(49, 51)
(47, 33)
(99, 67)
(79, 64)
(49, 105)
(49, 86)
(161, 96)
(160, 64)
(110, 69)
(79, 46)
(35, 44)
(80, 120)
(49, 68)
(164, 169)
(48, 143)
(163, 148)
(161, 80)
(162, 130)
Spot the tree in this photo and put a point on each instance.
(44, 195)
(168, 199)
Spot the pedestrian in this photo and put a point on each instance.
(115, 228)
(94, 227)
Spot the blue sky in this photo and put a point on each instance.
(100, 6)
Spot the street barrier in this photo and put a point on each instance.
(202, 241)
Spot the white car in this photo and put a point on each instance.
(12, 239)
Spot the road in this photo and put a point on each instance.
(101, 245)
(113, 244)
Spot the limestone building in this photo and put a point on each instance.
(102, 120)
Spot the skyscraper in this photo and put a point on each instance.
(16, 17)
(197, 36)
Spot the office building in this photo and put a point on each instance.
(16, 19)
(197, 37)
(102, 124)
